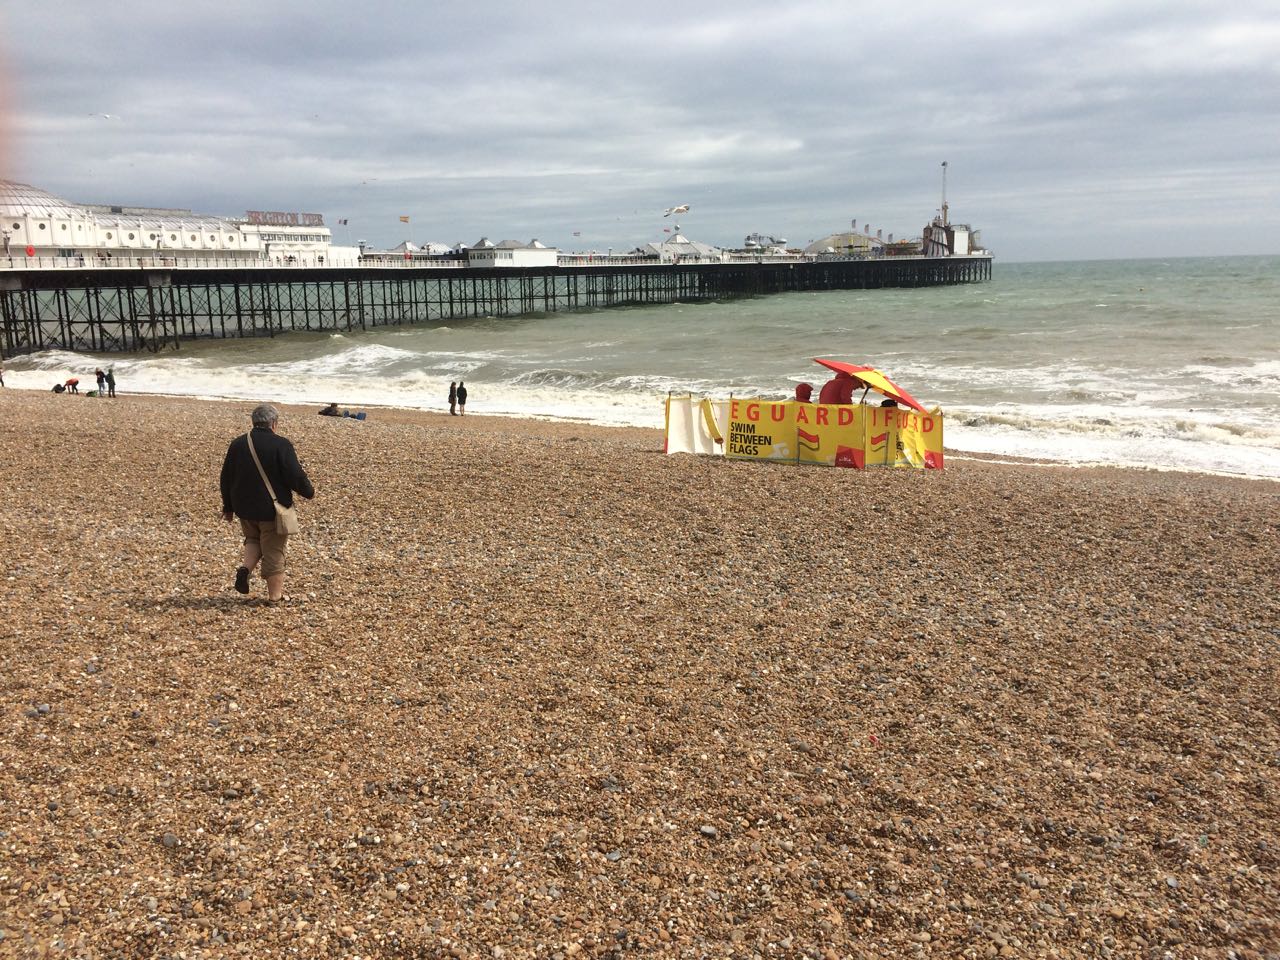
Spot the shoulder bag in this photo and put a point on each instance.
(286, 517)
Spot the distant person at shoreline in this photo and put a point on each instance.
(453, 399)
(1, 376)
(111, 378)
(73, 385)
(101, 377)
(462, 398)
(245, 495)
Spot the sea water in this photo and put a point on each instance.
(1171, 364)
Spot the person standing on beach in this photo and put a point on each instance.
(244, 495)
(111, 381)
(102, 382)
(453, 399)
(462, 398)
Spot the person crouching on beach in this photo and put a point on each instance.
(453, 399)
(245, 495)
(462, 398)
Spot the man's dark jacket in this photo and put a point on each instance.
(242, 488)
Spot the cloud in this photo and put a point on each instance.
(1098, 129)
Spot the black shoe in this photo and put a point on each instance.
(242, 580)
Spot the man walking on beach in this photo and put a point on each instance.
(244, 495)
(111, 381)
(453, 399)
(462, 398)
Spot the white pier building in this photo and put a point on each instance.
(39, 229)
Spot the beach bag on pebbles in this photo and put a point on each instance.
(286, 517)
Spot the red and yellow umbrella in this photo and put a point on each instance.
(874, 379)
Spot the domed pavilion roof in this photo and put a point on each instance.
(24, 200)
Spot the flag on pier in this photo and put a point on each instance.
(342, 223)
(404, 219)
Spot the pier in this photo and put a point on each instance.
(157, 306)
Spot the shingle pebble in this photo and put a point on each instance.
(536, 697)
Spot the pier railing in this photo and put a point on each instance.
(387, 262)
(16, 263)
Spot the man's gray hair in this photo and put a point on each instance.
(264, 415)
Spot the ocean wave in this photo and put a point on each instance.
(558, 377)
(594, 380)
(1096, 394)
(1223, 361)
(54, 360)
(1263, 374)
(1130, 427)
(357, 360)
(976, 333)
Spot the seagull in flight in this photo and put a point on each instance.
(683, 208)
(105, 116)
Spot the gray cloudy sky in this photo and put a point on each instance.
(1073, 131)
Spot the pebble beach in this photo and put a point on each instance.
(542, 691)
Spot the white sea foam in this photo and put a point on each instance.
(1135, 451)
(1263, 375)
(1075, 434)
(1099, 435)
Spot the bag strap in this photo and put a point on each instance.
(258, 463)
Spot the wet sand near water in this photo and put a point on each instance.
(543, 691)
